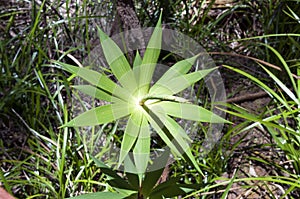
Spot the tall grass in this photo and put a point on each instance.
(35, 100)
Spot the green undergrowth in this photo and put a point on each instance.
(41, 160)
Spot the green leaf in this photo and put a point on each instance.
(101, 115)
(158, 127)
(129, 165)
(178, 69)
(141, 150)
(97, 195)
(152, 177)
(99, 163)
(133, 180)
(129, 82)
(130, 135)
(283, 86)
(171, 188)
(175, 127)
(115, 58)
(137, 60)
(225, 194)
(180, 138)
(186, 111)
(285, 65)
(161, 127)
(94, 92)
(95, 78)
(262, 85)
(150, 58)
(269, 121)
(179, 83)
(114, 179)
(137, 132)
(154, 99)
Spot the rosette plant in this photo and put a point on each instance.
(147, 106)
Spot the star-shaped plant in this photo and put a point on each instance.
(146, 107)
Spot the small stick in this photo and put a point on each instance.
(247, 97)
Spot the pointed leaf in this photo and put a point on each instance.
(130, 135)
(95, 78)
(285, 65)
(178, 69)
(171, 188)
(158, 127)
(229, 186)
(141, 151)
(178, 135)
(100, 115)
(164, 133)
(179, 83)
(129, 81)
(108, 195)
(114, 57)
(117, 62)
(114, 179)
(99, 163)
(174, 126)
(137, 60)
(150, 57)
(187, 111)
(262, 85)
(283, 86)
(94, 92)
(129, 166)
(153, 176)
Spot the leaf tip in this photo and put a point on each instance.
(68, 124)
(102, 35)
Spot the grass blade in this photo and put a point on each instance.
(286, 67)
(282, 86)
(262, 85)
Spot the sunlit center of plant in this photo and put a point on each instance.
(141, 102)
(144, 101)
